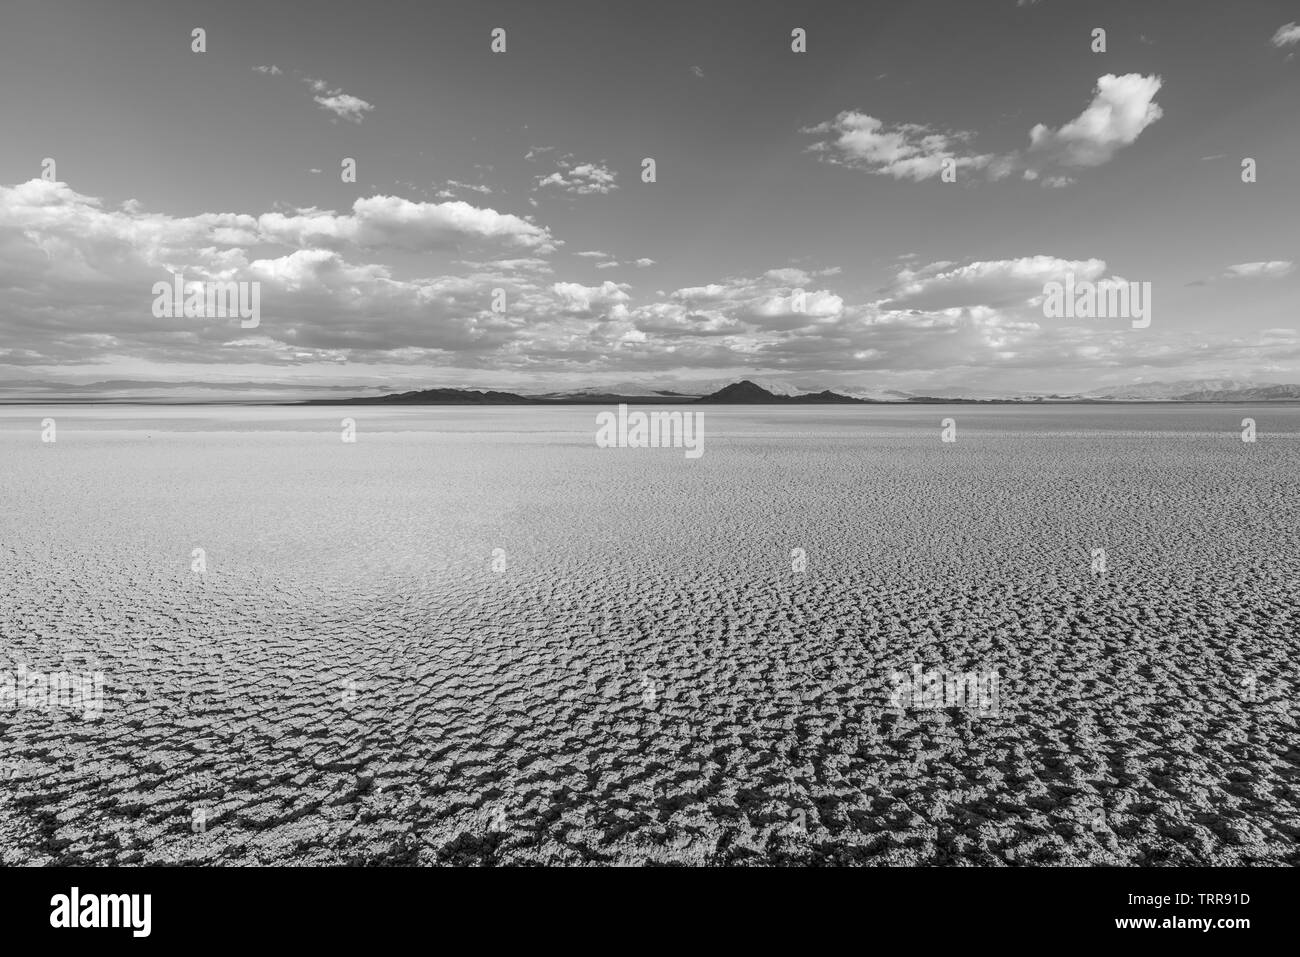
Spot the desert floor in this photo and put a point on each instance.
(473, 636)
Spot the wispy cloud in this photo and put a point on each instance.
(452, 186)
(582, 179)
(1287, 35)
(344, 106)
(1275, 269)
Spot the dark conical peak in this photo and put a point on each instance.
(746, 391)
(743, 391)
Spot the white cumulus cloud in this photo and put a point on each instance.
(1121, 108)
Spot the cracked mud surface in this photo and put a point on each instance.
(646, 680)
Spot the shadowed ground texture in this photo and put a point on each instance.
(639, 675)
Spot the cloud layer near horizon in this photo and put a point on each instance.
(79, 277)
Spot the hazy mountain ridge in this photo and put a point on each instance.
(744, 391)
(1200, 390)
(436, 397)
(1266, 393)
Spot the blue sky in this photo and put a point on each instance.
(776, 172)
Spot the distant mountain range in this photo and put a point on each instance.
(435, 397)
(738, 393)
(747, 392)
(1200, 390)
(744, 392)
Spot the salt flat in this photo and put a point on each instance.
(473, 636)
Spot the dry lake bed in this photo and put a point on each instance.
(472, 636)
